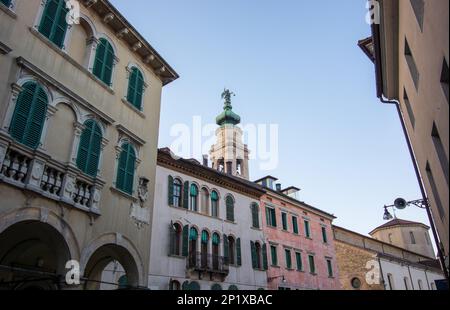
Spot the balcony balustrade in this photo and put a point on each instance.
(38, 172)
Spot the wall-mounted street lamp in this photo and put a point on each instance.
(402, 204)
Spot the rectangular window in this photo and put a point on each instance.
(298, 257)
(295, 225)
(288, 259)
(324, 235)
(437, 198)
(312, 264)
(409, 109)
(271, 217)
(412, 237)
(444, 79)
(307, 229)
(330, 268)
(439, 147)
(284, 220)
(412, 65)
(273, 254)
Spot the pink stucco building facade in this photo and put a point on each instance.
(300, 246)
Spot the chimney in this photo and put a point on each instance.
(278, 187)
(205, 160)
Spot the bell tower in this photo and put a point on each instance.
(230, 154)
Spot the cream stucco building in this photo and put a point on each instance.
(412, 236)
(410, 49)
(79, 116)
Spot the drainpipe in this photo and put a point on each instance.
(382, 275)
(421, 185)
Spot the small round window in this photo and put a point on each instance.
(356, 283)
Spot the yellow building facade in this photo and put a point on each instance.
(79, 116)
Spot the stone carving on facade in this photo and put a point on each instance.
(139, 213)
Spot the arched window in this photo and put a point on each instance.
(420, 284)
(214, 204)
(255, 215)
(29, 115)
(231, 250)
(194, 286)
(205, 201)
(391, 281)
(204, 249)
(194, 198)
(104, 61)
(89, 150)
(216, 287)
(53, 23)
(406, 281)
(125, 173)
(177, 185)
(174, 285)
(412, 237)
(135, 88)
(230, 208)
(176, 232)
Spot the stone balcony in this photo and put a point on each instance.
(36, 171)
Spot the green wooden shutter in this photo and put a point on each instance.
(109, 62)
(230, 208)
(99, 58)
(324, 235)
(135, 88)
(7, 3)
(238, 251)
(255, 215)
(60, 26)
(132, 86)
(284, 221)
(29, 115)
(226, 253)
(90, 147)
(53, 23)
(170, 190)
(185, 286)
(295, 225)
(186, 195)
(264, 255)
(254, 258)
(125, 173)
(104, 61)
(185, 241)
(298, 257)
(139, 90)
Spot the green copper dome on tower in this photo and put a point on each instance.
(227, 117)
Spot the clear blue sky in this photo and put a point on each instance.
(295, 63)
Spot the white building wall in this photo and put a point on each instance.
(400, 271)
(163, 267)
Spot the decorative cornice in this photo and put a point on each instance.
(124, 30)
(210, 175)
(131, 135)
(5, 49)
